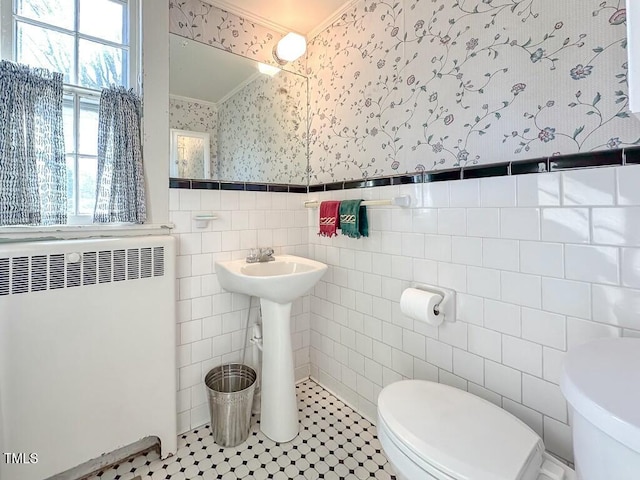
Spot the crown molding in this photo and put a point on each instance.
(247, 15)
(330, 19)
(192, 100)
(239, 87)
(276, 27)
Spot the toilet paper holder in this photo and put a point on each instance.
(447, 306)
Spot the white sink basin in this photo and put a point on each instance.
(281, 281)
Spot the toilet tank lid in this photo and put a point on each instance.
(458, 433)
(601, 381)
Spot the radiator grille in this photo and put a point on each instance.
(20, 277)
(105, 266)
(158, 261)
(133, 264)
(4, 276)
(39, 273)
(146, 265)
(119, 265)
(89, 268)
(74, 274)
(56, 271)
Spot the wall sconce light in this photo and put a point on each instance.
(289, 48)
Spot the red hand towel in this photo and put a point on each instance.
(329, 218)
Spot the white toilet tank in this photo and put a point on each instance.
(601, 382)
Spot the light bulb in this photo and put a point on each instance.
(291, 47)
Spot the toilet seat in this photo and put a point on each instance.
(460, 436)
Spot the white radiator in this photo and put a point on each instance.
(87, 351)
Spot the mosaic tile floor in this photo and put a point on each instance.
(334, 442)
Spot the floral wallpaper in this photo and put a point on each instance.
(415, 85)
(262, 131)
(196, 117)
(213, 26)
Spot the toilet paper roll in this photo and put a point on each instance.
(420, 305)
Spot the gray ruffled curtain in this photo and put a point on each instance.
(120, 195)
(33, 172)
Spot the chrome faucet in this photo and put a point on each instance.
(262, 255)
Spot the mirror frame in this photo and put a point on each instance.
(206, 139)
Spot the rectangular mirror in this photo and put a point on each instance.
(255, 116)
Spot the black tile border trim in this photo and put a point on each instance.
(205, 185)
(604, 158)
(278, 188)
(256, 187)
(328, 187)
(407, 179)
(232, 186)
(443, 175)
(188, 184)
(498, 170)
(530, 166)
(632, 156)
(179, 183)
(586, 160)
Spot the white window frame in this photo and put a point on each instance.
(8, 23)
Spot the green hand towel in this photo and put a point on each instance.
(353, 219)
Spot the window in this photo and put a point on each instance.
(92, 42)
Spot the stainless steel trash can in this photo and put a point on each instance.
(230, 390)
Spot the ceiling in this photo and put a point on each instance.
(194, 65)
(301, 16)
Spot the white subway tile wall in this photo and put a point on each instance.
(498, 192)
(541, 263)
(211, 322)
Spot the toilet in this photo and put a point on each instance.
(601, 382)
(432, 431)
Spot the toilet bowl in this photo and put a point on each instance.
(432, 431)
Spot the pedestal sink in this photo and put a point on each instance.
(277, 284)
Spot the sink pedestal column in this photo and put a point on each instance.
(279, 408)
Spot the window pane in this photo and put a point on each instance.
(87, 173)
(60, 13)
(67, 117)
(88, 127)
(101, 66)
(102, 19)
(44, 48)
(71, 184)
